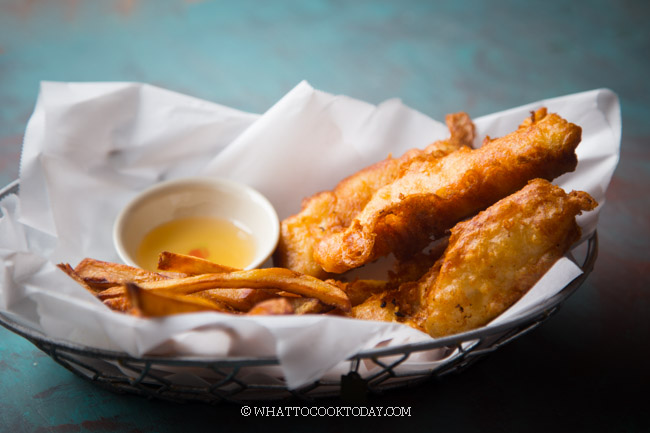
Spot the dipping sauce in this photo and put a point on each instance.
(218, 240)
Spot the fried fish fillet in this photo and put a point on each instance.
(334, 210)
(491, 261)
(434, 194)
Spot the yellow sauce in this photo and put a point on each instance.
(218, 240)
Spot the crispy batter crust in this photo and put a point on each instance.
(496, 257)
(335, 210)
(433, 194)
(490, 262)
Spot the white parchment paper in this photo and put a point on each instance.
(90, 147)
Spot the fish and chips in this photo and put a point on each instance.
(497, 223)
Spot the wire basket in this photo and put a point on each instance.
(232, 379)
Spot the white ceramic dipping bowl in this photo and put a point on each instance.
(197, 197)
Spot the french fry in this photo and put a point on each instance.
(65, 267)
(190, 265)
(267, 278)
(239, 299)
(148, 303)
(112, 292)
(118, 303)
(100, 275)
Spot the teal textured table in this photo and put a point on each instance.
(579, 371)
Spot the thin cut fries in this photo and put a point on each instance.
(119, 303)
(188, 283)
(239, 299)
(100, 275)
(152, 304)
(75, 276)
(268, 278)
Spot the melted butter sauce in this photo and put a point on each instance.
(218, 240)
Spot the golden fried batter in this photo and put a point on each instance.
(491, 261)
(433, 194)
(495, 258)
(334, 210)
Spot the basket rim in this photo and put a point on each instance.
(536, 314)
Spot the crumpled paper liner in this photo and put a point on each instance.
(90, 147)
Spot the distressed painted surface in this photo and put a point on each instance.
(576, 373)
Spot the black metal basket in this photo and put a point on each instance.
(233, 379)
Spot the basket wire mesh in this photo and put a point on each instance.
(229, 379)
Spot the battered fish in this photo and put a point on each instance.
(334, 210)
(433, 194)
(491, 261)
